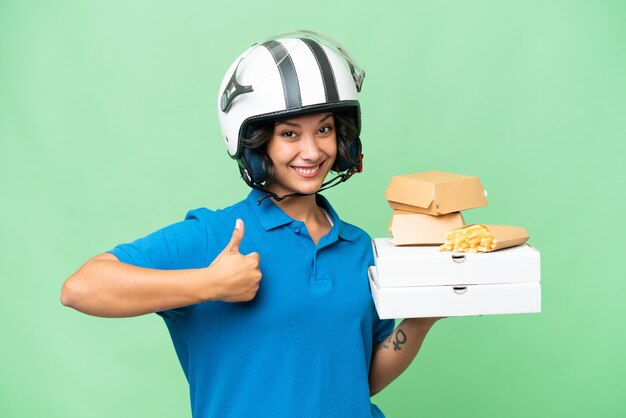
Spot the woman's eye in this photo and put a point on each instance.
(289, 134)
(325, 129)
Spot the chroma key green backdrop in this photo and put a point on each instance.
(108, 131)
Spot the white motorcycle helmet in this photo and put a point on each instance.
(291, 74)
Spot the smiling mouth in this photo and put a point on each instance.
(308, 171)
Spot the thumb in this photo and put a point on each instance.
(233, 245)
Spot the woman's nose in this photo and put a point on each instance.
(310, 150)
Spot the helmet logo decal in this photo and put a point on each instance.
(232, 90)
(328, 77)
(288, 75)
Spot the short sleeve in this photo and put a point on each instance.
(382, 329)
(183, 245)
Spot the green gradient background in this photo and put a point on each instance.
(108, 131)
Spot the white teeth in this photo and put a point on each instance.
(306, 171)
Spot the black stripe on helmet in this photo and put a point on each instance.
(288, 75)
(328, 77)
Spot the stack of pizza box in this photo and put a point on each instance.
(414, 275)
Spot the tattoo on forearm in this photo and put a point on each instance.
(400, 339)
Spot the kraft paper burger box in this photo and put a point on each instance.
(421, 281)
(435, 192)
(410, 228)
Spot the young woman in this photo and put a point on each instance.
(267, 301)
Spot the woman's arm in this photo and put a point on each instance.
(392, 356)
(106, 287)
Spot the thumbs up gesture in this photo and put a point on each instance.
(237, 276)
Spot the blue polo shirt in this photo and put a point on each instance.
(302, 346)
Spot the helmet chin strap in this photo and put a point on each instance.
(338, 179)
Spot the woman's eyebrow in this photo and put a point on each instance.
(325, 117)
(289, 123)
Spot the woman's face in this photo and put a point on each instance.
(302, 150)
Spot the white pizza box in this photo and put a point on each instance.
(427, 266)
(446, 301)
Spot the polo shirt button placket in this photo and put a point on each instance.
(320, 280)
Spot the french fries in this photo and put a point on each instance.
(469, 239)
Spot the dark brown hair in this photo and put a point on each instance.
(347, 139)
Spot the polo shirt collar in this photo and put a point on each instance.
(271, 216)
